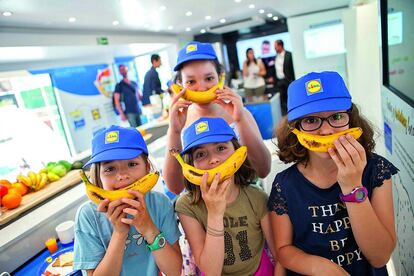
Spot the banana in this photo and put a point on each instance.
(96, 194)
(38, 179)
(201, 97)
(226, 169)
(42, 182)
(322, 143)
(24, 179)
(33, 180)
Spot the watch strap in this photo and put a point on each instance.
(158, 243)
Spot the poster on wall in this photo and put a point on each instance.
(398, 135)
(84, 93)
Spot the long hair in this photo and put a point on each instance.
(247, 56)
(95, 171)
(290, 150)
(243, 177)
(217, 65)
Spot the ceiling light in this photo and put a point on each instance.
(251, 6)
(275, 18)
(115, 23)
(237, 1)
(222, 20)
(170, 27)
(188, 13)
(72, 19)
(269, 15)
(208, 17)
(261, 11)
(7, 13)
(163, 8)
(202, 31)
(187, 29)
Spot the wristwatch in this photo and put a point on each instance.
(358, 195)
(158, 243)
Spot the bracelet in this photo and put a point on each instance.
(215, 232)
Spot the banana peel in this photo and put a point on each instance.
(321, 143)
(200, 97)
(97, 194)
(226, 169)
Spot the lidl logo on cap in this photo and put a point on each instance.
(313, 87)
(112, 137)
(201, 127)
(191, 48)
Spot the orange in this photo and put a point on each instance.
(11, 200)
(23, 189)
(5, 183)
(14, 190)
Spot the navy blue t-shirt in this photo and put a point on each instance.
(152, 85)
(320, 221)
(128, 93)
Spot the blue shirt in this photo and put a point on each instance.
(93, 232)
(128, 93)
(320, 221)
(152, 85)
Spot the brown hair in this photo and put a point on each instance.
(243, 177)
(95, 171)
(217, 65)
(290, 150)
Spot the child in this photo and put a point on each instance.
(125, 236)
(333, 211)
(226, 223)
(198, 69)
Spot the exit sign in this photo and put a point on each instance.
(102, 40)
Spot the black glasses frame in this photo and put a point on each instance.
(299, 123)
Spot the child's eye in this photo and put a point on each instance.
(221, 148)
(199, 155)
(190, 82)
(211, 78)
(108, 169)
(133, 164)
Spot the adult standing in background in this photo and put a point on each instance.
(253, 73)
(284, 73)
(127, 90)
(152, 83)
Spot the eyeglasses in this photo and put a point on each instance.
(337, 120)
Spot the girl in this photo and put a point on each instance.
(332, 211)
(198, 69)
(253, 73)
(125, 236)
(226, 223)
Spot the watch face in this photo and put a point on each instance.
(360, 195)
(162, 242)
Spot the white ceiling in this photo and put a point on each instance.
(145, 15)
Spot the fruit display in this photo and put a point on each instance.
(320, 143)
(11, 200)
(201, 97)
(35, 181)
(226, 169)
(142, 185)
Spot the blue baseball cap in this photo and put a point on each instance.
(195, 51)
(317, 92)
(206, 130)
(116, 143)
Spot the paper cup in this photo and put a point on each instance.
(65, 231)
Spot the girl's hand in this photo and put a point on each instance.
(141, 219)
(214, 195)
(114, 213)
(231, 102)
(178, 112)
(350, 158)
(326, 267)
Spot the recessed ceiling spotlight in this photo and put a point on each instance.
(189, 13)
(187, 29)
(7, 13)
(261, 11)
(275, 18)
(208, 17)
(237, 1)
(115, 23)
(72, 19)
(170, 27)
(222, 20)
(269, 15)
(163, 8)
(252, 6)
(202, 31)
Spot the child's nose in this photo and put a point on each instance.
(214, 160)
(325, 128)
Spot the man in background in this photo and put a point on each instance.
(152, 83)
(127, 94)
(283, 72)
(269, 62)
